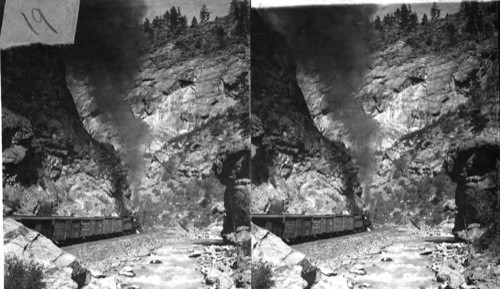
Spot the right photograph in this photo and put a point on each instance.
(375, 145)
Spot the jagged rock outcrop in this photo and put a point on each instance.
(61, 269)
(291, 160)
(290, 268)
(475, 167)
(191, 94)
(233, 169)
(51, 165)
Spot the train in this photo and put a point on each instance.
(298, 228)
(68, 230)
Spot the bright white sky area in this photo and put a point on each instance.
(189, 8)
(385, 6)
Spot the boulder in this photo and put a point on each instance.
(270, 249)
(288, 277)
(62, 270)
(334, 282)
(453, 277)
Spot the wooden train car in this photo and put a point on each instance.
(302, 227)
(73, 229)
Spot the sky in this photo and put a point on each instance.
(189, 8)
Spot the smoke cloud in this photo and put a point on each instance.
(333, 42)
(107, 51)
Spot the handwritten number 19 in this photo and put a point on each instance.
(38, 17)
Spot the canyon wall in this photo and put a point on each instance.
(433, 94)
(51, 165)
(190, 99)
(293, 164)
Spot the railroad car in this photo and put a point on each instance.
(64, 230)
(303, 227)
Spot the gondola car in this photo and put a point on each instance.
(63, 230)
(303, 227)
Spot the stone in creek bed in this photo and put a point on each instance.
(375, 252)
(155, 261)
(127, 273)
(358, 271)
(97, 274)
(143, 253)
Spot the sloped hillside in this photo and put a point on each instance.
(292, 163)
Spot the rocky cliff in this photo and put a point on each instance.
(292, 162)
(433, 92)
(191, 98)
(51, 165)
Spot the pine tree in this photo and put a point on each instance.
(204, 14)
(389, 19)
(378, 24)
(147, 26)
(397, 15)
(183, 23)
(233, 6)
(166, 17)
(474, 22)
(242, 16)
(156, 22)
(435, 11)
(194, 22)
(174, 19)
(425, 20)
(413, 21)
(404, 16)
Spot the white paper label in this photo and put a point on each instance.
(39, 21)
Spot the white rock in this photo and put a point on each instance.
(358, 271)
(96, 273)
(335, 282)
(126, 273)
(103, 283)
(288, 277)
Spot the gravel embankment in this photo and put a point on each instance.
(103, 254)
(338, 250)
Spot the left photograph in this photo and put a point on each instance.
(126, 144)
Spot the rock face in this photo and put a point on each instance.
(475, 167)
(51, 165)
(290, 268)
(191, 94)
(61, 270)
(430, 94)
(291, 161)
